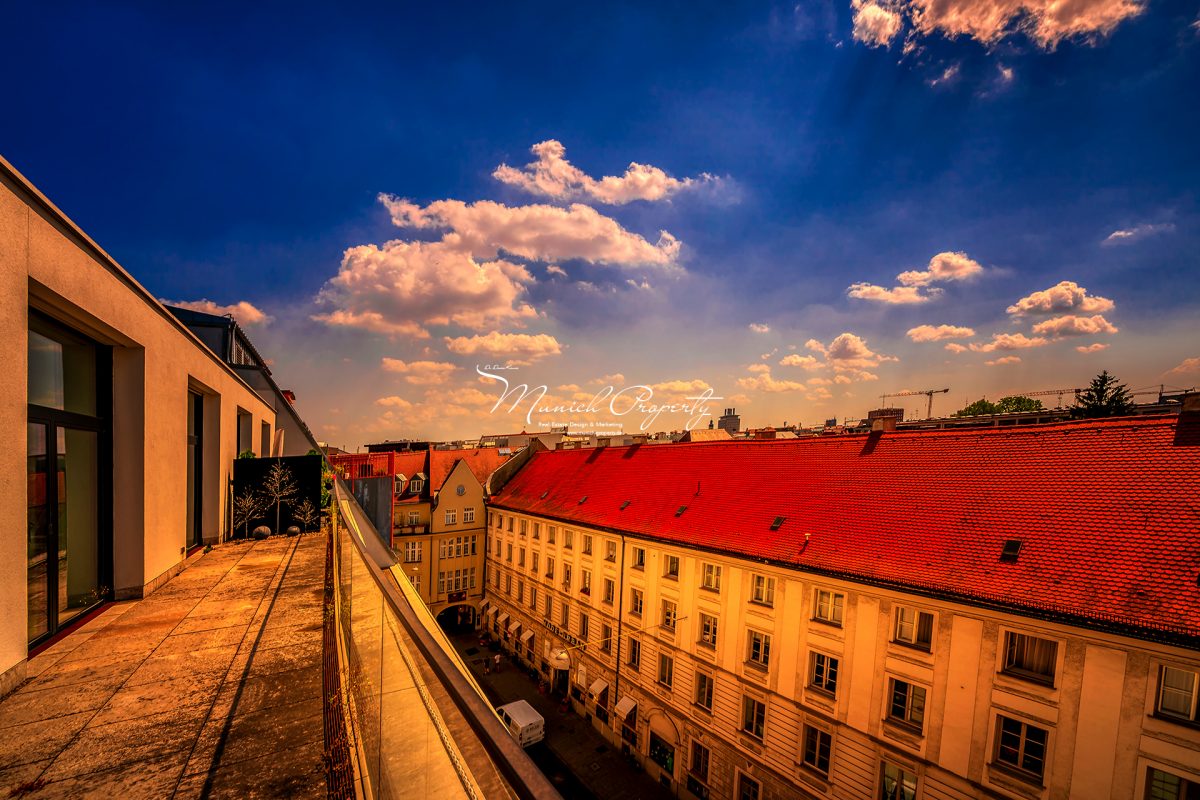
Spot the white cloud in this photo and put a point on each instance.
(555, 269)
(551, 175)
(1046, 22)
(763, 382)
(421, 373)
(394, 401)
(680, 388)
(819, 382)
(1092, 348)
(805, 362)
(1065, 296)
(535, 232)
(915, 284)
(1003, 360)
(523, 346)
(849, 351)
(1006, 73)
(759, 327)
(1186, 367)
(875, 23)
(1009, 341)
(1071, 325)
(246, 314)
(900, 295)
(956, 348)
(1137, 232)
(948, 74)
(938, 333)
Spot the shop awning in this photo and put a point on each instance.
(526, 636)
(503, 619)
(484, 606)
(513, 627)
(625, 707)
(598, 687)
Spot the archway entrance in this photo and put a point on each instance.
(457, 619)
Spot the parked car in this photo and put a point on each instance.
(524, 723)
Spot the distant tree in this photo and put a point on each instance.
(247, 454)
(278, 487)
(1008, 405)
(247, 507)
(1105, 397)
(307, 515)
(978, 408)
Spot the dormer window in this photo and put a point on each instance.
(415, 485)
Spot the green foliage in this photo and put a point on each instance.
(976, 409)
(1105, 397)
(1009, 405)
(247, 454)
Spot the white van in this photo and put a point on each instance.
(525, 724)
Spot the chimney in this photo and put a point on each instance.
(881, 424)
(288, 395)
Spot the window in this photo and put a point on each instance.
(635, 602)
(587, 544)
(549, 606)
(550, 530)
(491, 517)
(533, 597)
(566, 576)
(537, 530)
(524, 527)
(758, 648)
(416, 581)
(415, 485)
(712, 577)
(606, 638)
(568, 536)
(468, 514)
(708, 630)
(499, 547)
(510, 524)
(754, 716)
(747, 788)
(666, 670)
(896, 784)
(609, 590)
(671, 567)
(1021, 746)
(508, 553)
(564, 616)
(533, 566)
(585, 585)
(451, 516)
(550, 567)
(639, 558)
(583, 627)
(906, 704)
(508, 584)
(668, 615)
(521, 557)
(829, 607)
(520, 591)
(704, 691)
(817, 744)
(414, 518)
(914, 628)
(412, 551)
(610, 551)
(1177, 693)
(822, 672)
(1165, 786)
(661, 753)
(1030, 657)
(635, 653)
(762, 590)
(698, 765)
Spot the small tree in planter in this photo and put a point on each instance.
(307, 515)
(278, 487)
(247, 507)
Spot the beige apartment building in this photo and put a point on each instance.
(959, 614)
(125, 427)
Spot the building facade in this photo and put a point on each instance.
(897, 616)
(128, 426)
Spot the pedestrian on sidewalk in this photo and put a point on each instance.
(497, 662)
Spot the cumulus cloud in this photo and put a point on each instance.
(394, 401)
(421, 373)
(875, 24)
(762, 380)
(1186, 367)
(805, 362)
(523, 346)
(760, 327)
(535, 232)
(850, 351)
(555, 269)
(1045, 22)
(246, 314)
(1063, 297)
(956, 348)
(1009, 341)
(1092, 348)
(938, 333)
(915, 284)
(680, 388)
(1003, 360)
(1136, 233)
(1071, 325)
(550, 174)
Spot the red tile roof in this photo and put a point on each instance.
(1108, 512)
(482, 462)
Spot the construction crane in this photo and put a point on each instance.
(927, 392)
(1048, 392)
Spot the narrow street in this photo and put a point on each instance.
(579, 761)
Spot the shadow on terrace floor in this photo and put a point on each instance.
(211, 686)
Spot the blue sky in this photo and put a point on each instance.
(793, 152)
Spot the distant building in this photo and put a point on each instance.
(705, 435)
(880, 413)
(730, 421)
